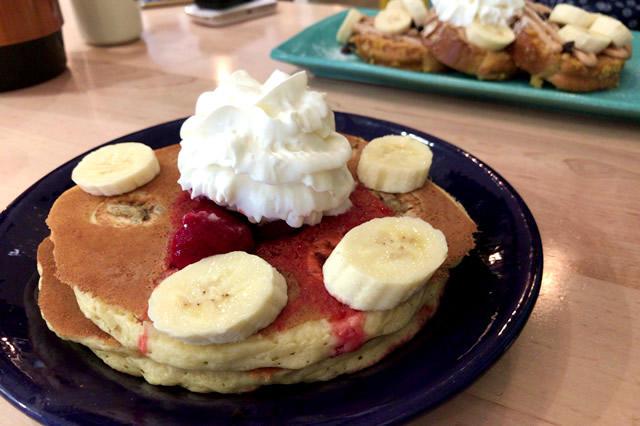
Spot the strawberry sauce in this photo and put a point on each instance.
(299, 256)
(349, 333)
(300, 259)
(205, 230)
(143, 341)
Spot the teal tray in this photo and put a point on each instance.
(316, 49)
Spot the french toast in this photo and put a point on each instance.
(451, 46)
(404, 51)
(545, 56)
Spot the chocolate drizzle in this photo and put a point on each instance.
(544, 15)
(568, 47)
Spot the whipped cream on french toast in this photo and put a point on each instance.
(488, 12)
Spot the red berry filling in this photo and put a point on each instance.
(207, 231)
(273, 230)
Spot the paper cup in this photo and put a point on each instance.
(108, 22)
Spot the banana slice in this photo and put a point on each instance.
(396, 4)
(395, 164)
(116, 169)
(612, 29)
(381, 263)
(392, 21)
(490, 37)
(219, 299)
(416, 9)
(346, 28)
(583, 39)
(569, 14)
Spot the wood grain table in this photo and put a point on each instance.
(577, 361)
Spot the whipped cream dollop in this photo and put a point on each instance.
(488, 12)
(269, 151)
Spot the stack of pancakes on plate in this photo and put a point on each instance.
(105, 255)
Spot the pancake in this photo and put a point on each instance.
(234, 381)
(60, 310)
(434, 205)
(63, 316)
(131, 233)
(313, 325)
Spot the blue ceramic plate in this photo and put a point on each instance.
(487, 302)
(316, 49)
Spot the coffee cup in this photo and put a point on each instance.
(108, 22)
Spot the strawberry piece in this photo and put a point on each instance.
(208, 231)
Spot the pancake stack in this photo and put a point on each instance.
(105, 255)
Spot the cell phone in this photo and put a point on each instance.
(230, 15)
(145, 4)
(218, 4)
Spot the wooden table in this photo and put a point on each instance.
(577, 360)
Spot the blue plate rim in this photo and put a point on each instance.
(485, 353)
